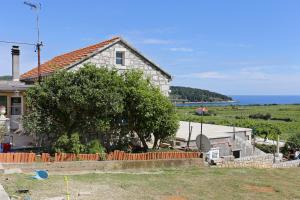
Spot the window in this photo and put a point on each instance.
(16, 106)
(236, 153)
(120, 57)
(214, 153)
(3, 102)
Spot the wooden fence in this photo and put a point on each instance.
(59, 157)
(121, 155)
(17, 157)
(116, 155)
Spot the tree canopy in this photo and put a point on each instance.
(98, 103)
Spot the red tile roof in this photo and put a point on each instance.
(62, 61)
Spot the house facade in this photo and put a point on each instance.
(12, 91)
(113, 53)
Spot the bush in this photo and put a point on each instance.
(75, 144)
(287, 119)
(266, 148)
(66, 144)
(266, 116)
(61, 145)
(95, 147)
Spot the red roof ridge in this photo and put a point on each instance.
(66, 59)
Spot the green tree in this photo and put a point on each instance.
(166, 123)
(97, 103)
(292, 143)
(266, 130)
(86, 101)
(147, 110)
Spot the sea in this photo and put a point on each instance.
(250, 100)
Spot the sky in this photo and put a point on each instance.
(229, 46)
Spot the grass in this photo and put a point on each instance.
(229, 115)
(171, 184)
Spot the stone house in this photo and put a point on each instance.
(112, 53)
(115, 52)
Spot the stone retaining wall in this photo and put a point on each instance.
(256, 158)
(103, 165)
(287, 164)
(245, 164)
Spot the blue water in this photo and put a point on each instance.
(252, 100)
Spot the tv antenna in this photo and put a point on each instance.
(37, 7)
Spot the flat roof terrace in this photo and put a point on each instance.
(212, 131)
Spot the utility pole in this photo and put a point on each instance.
(37, 7)
(190, 133)
(201, 130)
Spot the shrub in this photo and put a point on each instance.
(61, 145)
(266, 116)
(287, 119)
(266, 148)
(75, 144)
(94, 146)
(66, 144)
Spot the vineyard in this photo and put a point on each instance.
(285, 117)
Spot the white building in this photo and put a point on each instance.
(227, 140)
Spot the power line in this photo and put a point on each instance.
(12, 42)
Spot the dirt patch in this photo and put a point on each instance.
(175, 198)
(255, 188)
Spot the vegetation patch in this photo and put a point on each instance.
(184, 183)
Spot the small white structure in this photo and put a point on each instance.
(224, 140)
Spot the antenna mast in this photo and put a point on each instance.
(37, 7)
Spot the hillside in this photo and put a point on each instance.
(196, 95)
(5, 78)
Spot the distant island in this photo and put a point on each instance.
(5, 78)
(187, 94)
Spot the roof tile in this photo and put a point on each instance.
(62, 61)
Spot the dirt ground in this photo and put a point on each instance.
(163, 184)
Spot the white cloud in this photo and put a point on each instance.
(156, 41)
(253, 73)
(244, 74)
(205, 75)
(181, 49)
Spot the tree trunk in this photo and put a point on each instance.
(142, 138)
(155, 143)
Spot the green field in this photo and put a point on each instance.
(171, 184)
(239, 116)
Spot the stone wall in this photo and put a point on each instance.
(103, 165)
(245, 164)
(132, 61)
(256, 158)
(287, 164)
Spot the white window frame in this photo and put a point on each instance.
(123, 51)
(214, 151)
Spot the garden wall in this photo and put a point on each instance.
(287, 164)
(103, 166)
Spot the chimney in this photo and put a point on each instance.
(15, 52)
